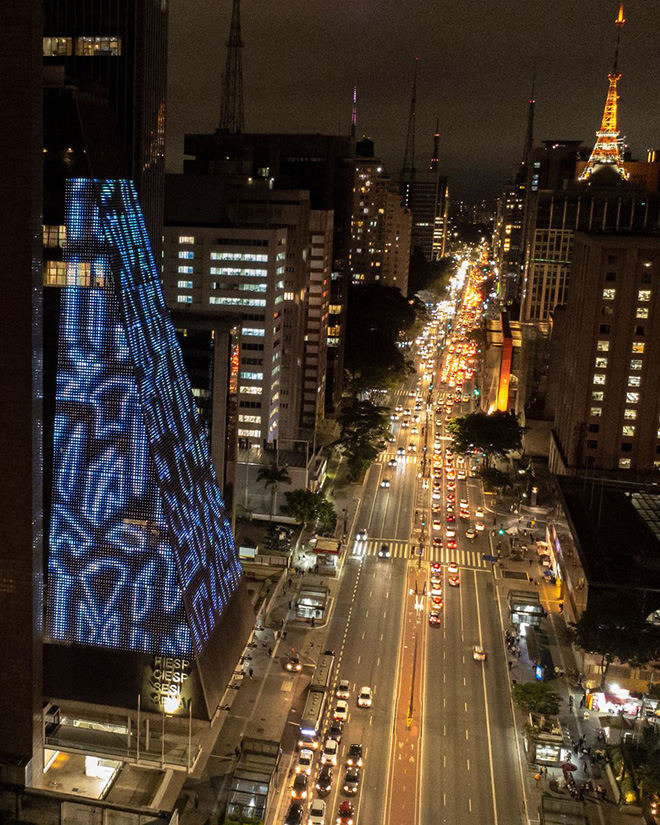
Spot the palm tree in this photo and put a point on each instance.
(272, 475)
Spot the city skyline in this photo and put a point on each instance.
(571, 46)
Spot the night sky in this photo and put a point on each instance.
(302, 58)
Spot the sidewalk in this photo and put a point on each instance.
(576, 722)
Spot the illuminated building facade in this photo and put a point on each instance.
(141, 554)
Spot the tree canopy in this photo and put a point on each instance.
(273, 475)
(614, 627)
(430, 276)
(536, 697)
(364, 428)
(308, 507)
(495, 434)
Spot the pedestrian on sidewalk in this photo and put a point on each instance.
(237, 751)
(270, 651)
(251, 673)
(290, 582)
(284, 632)
(291, 605)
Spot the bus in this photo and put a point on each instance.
(311, 723)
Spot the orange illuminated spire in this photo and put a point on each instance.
(608, 149)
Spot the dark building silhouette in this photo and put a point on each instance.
(21, 564)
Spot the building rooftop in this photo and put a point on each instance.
(616, 527)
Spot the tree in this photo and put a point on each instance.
(614, 627)
(272, 475)
(492, 477)
(364, 429)
(430, 276)
(496, 434)
(536, 697)
(308, 507)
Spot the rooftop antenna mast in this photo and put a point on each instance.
(408, 170)
(232, 117)
(354, 113)
(529, 136)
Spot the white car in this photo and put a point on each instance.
(385, 483)
(343, 689)
(362, 535)
(471, 533)
(478, 653)
(450, 532)
(452, 568)
(464, 504)
(479, 526)
(340, 713)
(305, 761)
(317, 812)
(365, 697)
(330, 752)
(460, 474)
(478, 513)
(437, 525)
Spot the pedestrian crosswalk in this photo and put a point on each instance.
(407, 550)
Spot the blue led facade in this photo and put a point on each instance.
(141, 552)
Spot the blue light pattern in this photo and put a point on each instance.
(141, 551)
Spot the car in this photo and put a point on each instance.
(478, 653)
(365, 697)
(436, 590)
(415, 419)
(450, 532)
(414, 430)
(479, 526)
(343, 689)
(354, 755)
(464, 504)
(362, 535)
(324, 779)
(330, 752)
(391, 462)
(453, 580)
(460, 474)
(451, 544)
(394, 417)
(384, 551)
(299, 787)
(471, 533)
(479, 513)
(317, 812)
(385, 483)
(336, 730)
(438, 542)
(464, 515)
(399, 408)
(436, 567)
(451, 485)
(451, 497)
(465, 398)
(293, 663)
(294, 814)
(437, 525)
(305, 761)
(436, 602)
(435, 618)
(340, 713)
(405, 424)
(452, 567)
(346, 814)
(412, 448)
(412, 394)
(400, 451)
(391, 439)
(352, 780)
(451, 518)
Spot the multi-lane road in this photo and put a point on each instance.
(438, 741)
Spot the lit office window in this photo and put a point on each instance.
(601, 363)
(186, 254)
(252, 376)
(249, 390)
(634, 381)
(596, 412)
(238, 302)
(628, 429)
(603, 346)
(636, 364)
(55, 273)
(624, 463)
(637, 346)
(54, 236)
(632, 397)
(599, 378)
(184, 299)
(609, 294)
(186, 239)
(250, 419)
(289, 296)
(184, 284)
(642, 312)
(98, 46)
(644, 295)
(249, 433)
(597, 395)
(185, 270)
(630, 415)
(58, 46)
(257, 333)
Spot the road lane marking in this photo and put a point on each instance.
(468, 764)
(488, 735)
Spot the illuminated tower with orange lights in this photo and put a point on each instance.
(608, 150)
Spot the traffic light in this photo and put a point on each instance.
(501, 531)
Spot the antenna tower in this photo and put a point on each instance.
(529, 136)
(354, 113)
(608, 149)
(408, 170)
(231, 107)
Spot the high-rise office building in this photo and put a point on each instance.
(141, 561)
(317, 313)
(21, 540)
(608, 406)
(117, 49)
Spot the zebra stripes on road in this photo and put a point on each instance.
(407, 550)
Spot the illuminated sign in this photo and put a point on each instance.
(141, 552)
